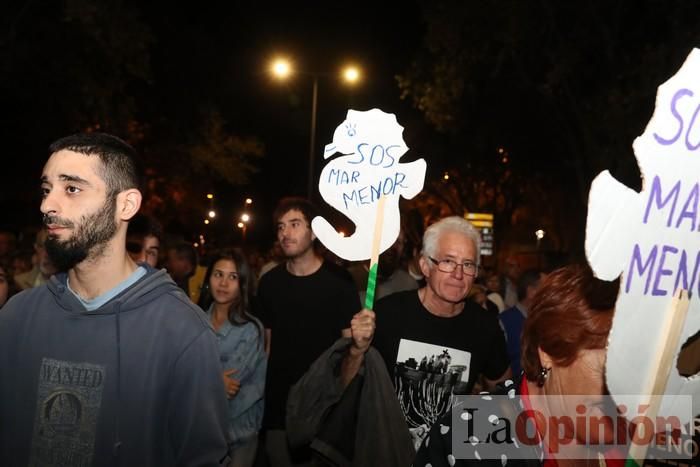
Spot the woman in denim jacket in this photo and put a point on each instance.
(241, 346)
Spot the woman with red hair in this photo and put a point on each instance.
(563, 354)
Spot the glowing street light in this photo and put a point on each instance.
(539, 234)
(240, 225)
(248, 201)
(210, 196)
(351, 74)
(281, 69)
(245, 217)
(212, 214)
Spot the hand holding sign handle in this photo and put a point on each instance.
(374, 260)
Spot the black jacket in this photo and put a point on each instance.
(361, 426)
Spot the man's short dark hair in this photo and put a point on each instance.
(528, 279)
(140, 227)
(118, 158)
(185, 250)
(302, 205)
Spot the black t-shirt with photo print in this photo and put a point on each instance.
(432, 359)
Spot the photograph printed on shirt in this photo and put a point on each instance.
(427, 377)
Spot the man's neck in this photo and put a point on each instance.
(437, 306)
(523, 306)
(304, 264)
(95, 276)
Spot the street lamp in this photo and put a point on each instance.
(243, 224)
(539, 234)
(282, 68)
(351, 74)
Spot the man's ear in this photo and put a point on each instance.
(424, 266)
(128, 203)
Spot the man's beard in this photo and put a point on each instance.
(90, 236)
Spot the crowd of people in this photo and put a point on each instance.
(117, 348)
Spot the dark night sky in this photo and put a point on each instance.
(215, 55)
(218, 52)
(227, 48)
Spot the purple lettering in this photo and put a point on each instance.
(687, 133)
(680, 93)
(660, 272)
(655, 195)
(692, 213)
(647, 267)
(683, 272)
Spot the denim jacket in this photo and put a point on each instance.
(241, 348)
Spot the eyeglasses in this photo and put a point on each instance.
(469, 268)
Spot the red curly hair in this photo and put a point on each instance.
(571, 311)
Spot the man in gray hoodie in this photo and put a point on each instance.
(109, 363)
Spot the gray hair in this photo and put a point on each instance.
(450, 224)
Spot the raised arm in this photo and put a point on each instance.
(361, 331)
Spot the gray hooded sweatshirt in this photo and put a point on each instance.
(136, 382)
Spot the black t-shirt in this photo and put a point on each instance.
(306, 315)
(433, 358)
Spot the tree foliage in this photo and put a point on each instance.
(219, 154)
(564, 87)
(79, 65)
(76, 63)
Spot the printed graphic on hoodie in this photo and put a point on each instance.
(426, 378)
(68, 403)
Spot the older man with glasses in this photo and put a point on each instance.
(435, 342)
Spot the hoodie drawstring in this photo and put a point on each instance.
(117, 441)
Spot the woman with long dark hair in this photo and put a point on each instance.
(244, 362)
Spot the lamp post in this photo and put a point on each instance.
(282, 68)
(243, 224)
(314, 105)
(539, 234)
(245, 218)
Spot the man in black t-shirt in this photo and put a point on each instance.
(434, 341)
(304, 303)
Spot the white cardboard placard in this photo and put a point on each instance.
(652, 238)
(371, 144)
